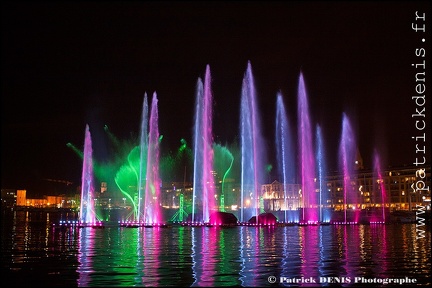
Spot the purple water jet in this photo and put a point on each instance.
(152, 209)
(252, 169)
(347, 155)
(203, 184)
(87, 212)
(307, 160)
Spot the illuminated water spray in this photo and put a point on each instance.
(152, 208)
(307, 161)
(381, 185)
(223, 162)
(87, 212)
(347, 153)
(143, 161)
(285, 157)
(252, 169)
(323, 195)
(203, 184)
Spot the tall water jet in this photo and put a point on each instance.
(203, 186)
(381, 186)
(285, 159)
(307, 161)
(152, 209)
(347, 153)
(323, 195)
(143, 161)
(87, 207)
(252, 169)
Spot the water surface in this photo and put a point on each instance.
(36, 253)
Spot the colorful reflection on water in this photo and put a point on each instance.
(35, 252)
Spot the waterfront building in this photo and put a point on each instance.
(404, 189)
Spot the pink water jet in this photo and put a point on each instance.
(87, 209)
(203, 201)
(347, 154)
(139, 213)
(310, 213)
(152, 212)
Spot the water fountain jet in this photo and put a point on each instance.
(307, 161)
(204, 186)
(252, 169)
(285, 164)
(87, 205)
(347, 153)
(152, 208)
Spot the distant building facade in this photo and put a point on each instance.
(278, 196)
(395, 189)
(403, 188)
(8, 198)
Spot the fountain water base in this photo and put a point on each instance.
(97, 224)
(310, 223)
(345, 223)
(193, 224)
(283, 224)
(142, 224)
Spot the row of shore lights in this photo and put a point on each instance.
(134, 223)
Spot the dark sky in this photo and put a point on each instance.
(66, 64)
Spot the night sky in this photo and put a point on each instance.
(68, 64)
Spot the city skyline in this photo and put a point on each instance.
(65, 65)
